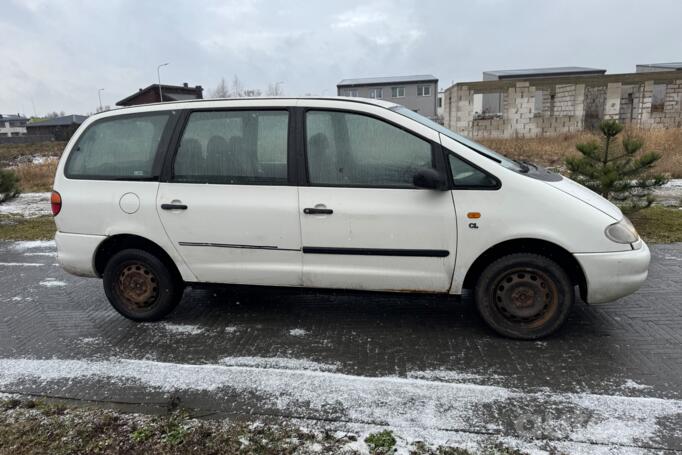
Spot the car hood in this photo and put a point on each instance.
(588, 196)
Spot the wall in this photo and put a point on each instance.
(551, 106)
(424, 105)
(32, 139)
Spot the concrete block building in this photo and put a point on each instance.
(419, 93)
(555, 104)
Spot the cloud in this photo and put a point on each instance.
(60, 54)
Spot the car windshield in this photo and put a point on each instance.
(482, 149)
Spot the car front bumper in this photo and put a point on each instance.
(611, 276)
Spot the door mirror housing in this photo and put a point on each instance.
(429, 178)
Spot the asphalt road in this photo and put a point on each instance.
(427, 366)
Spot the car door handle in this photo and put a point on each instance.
(174, 206)
(317, 211)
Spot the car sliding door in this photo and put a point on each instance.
(364, 225)
(229, 207)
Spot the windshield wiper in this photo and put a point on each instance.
(524, 167)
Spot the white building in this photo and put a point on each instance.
(12, 125)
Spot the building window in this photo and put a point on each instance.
(352, 93)
(658, 98)
(398, 92)
(423, 90)
(376, 93)
(440, 101)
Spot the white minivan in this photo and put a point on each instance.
(330, 193)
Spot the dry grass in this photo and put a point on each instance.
(36, 177)
(9, 152)
(552, 151)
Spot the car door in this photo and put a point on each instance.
(228, 204)
(364, 225)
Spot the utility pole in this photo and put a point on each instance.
(158, 75)
(99, 95)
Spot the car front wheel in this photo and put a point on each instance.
(524, 296)
(140, 286)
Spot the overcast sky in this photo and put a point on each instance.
(55, 55)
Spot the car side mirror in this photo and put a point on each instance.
(429, 178)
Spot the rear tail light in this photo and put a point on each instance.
(56, 201)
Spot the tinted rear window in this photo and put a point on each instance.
(120, 147)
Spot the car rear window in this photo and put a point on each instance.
(118, 148)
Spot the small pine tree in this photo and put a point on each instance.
(617, 171)
(9, 184)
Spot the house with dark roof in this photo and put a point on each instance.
(12, 125)
(419, 92)
(57, 129)
(156, 93)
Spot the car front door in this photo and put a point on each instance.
(364, 225)
(229, 204)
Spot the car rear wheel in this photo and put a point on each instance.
(140, 286)
(524, 296)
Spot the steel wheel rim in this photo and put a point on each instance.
(526, 296)
(138, 286)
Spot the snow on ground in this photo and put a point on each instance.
(52, 283)
(28, 205)
(21, 264)
(33, 244)
(181, 329)
(298, 332)
(412, 407)
(277, 363)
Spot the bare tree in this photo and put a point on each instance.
(252, 93)
(274, 89)
(221, 90)
(237, 87)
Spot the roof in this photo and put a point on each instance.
(170, 92)
(542, 72)
(12, 117)
(60, 121)
(267, 101)
(671, 65)
(387, 80)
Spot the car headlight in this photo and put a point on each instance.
(622, 232)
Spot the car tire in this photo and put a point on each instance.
(524, 296)
(140, 286)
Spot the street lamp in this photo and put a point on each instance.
(99, 95)
(158, 75)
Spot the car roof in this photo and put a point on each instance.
(239, 102)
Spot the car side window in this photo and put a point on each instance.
(118, 148)
(233, 147)
(347, 149)
(464, 175)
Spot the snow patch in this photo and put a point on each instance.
(182, 329)
(20, 264)
(277, 363)
(42, 253)
(298, 332)
(33, 244)
(52, 283)
(29, 205)
(414, 407)
(632, 385)
(231, 329)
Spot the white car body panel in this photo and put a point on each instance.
(241, 234)
(379, 218)
(563, 213)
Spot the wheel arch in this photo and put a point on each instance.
(528, 245)
(112, 245)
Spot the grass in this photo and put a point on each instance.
(28, 426)
(381, 442)
(20, 228)
(658, 224)
(36, 177)
(551, 151)
(10, 152)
